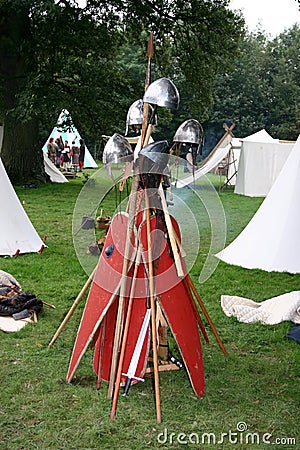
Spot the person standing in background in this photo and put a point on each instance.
(74, 156)
(51, 153)
(81, 154)
(65, 159)
(59, 148)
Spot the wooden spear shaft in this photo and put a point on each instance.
(201, 304)
(151, 279)
(131, 213)
(120, 311)
(171, 233)
(101, 351)
(125, 335)
(153, 312)
(195, 309)
(73, 307)
(177, 260)
(150, 50)
(187, 280)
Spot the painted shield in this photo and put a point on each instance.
(105, 287)
(176, 304)
(104, 344)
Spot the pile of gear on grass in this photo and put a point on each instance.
(103, 223)
(15, 303)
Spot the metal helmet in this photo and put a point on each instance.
(135, 116)
(116, 149)
(157, 154)
(162, 92)
(153, 159)
(190, 132)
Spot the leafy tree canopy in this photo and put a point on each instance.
(263, 89)
(56, 55)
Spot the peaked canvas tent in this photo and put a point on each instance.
(215, 159)
(261, 160)
(66, 129)
(55, 175)
(271, 240)
(233, 161)
(218, 153)
(17, 232)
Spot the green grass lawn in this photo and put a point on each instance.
(255, 386)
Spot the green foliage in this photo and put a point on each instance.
(83, 59)
(284, 69)
(257, 382)
(263, 88)
(92, 61)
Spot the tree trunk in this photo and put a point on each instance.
(20, 152)
(22, 159)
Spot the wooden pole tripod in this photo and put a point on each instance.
(123, 324)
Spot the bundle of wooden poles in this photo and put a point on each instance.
(125, 295)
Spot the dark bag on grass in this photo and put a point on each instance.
(294, 333)
(12, 303)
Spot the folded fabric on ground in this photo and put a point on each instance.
(6, 279)
(13, 302)
(9, 324)
(285, 307)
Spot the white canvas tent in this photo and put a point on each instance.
(260, 136)
(55, 175)
(227, 147)
(260, 163)
(66, 129)
(271, 240)
(212, 162)
(233, 162)
(17, 232)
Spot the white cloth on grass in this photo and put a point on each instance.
(285, 307)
